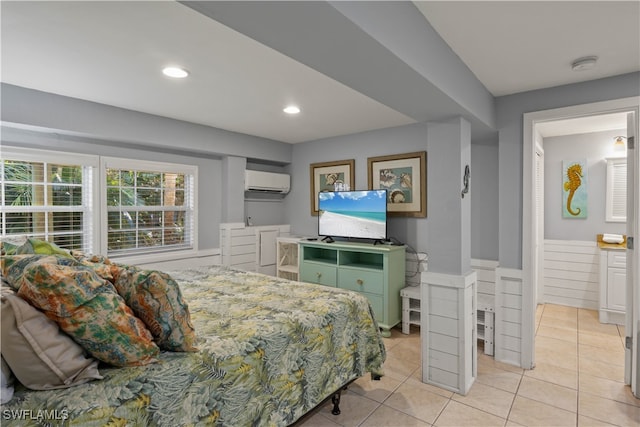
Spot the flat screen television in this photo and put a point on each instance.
(353, 214)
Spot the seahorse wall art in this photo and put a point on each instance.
(574, 195)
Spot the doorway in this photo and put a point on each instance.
(531, 225)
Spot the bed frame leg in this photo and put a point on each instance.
(335, 399)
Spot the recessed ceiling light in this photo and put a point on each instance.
(584, 63)
(291, 109)
(175, 72)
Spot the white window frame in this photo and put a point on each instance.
(161, 254)
(614, 195)
(90, 165)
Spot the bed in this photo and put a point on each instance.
(269, 351)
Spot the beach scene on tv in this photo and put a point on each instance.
(361, 214)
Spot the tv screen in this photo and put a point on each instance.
(356, 214)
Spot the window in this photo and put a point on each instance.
(150, 207)
(616, 196)
(48, 196)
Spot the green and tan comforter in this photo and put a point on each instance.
(270, 350)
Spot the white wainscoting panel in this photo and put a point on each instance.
(508, 320)
(571, 273)
(486, 301)
(448, 334)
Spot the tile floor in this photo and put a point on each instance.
(577, 381)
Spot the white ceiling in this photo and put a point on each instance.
(112, 53)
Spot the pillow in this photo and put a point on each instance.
(39, 354)
(6, 382)
(41, 247)
(156, 299)
(88, 308)
(12, 266)
(8, 248)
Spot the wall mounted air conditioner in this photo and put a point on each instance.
(266, 182)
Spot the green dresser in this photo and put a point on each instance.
(376, 271)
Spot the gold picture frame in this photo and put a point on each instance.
(323, 177)
(404, 176)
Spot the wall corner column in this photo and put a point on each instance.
(232, 208)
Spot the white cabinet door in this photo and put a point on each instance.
(616, 289)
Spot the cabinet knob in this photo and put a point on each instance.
(360, 282)
(319, 275)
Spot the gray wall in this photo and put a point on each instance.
(509, 111)
(483, 191)
(594, 147)
(48, 121)
(115, 128)
(444, 234)
(402, 139)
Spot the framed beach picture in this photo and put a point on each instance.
(574, 189)
(330, 176)
(404, 176)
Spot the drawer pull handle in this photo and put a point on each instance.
(360, 282)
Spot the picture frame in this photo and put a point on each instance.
(404, 176)
(324, 176)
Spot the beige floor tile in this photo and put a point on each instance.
(498, 378)
(566, 360)
(529, 412)
(597, 327)
(614, 390)
(396, 338)
(377, 390)
(554, 374)
(601, 369)
(564, 322)
(488, 399)
(407, 351)
(457, 414)
(609, 411)
(416, 401)
(398, 368)
(486, 360)
(597, 339)
(564, 334)
(416, 380)
(613, 355)
(385, 416)
(590, 422)
(551, 394)
(556, 308)
(354, 409)
(587, 315)
(315, 419)
(574, 383)
(560, 312)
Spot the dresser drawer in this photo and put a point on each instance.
(318, 273)
(360, 280)
(617, 259)
(377, 305)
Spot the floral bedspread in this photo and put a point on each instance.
(270, 351)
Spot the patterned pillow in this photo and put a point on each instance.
(86, 307)
(13, 266)
(156, 299)
(41, 247)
